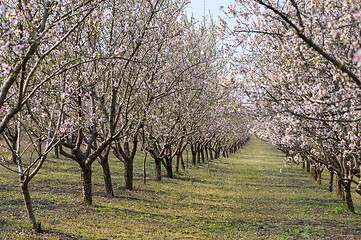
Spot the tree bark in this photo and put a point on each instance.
(314, 173)
(128, 174)
(145, 169)
(194, 156)
(86, 180)
(330, 184)
(36, 227)
(177, 162)
(202, 155)
(107, 176)
(211, 154)
(182, 162)
(348, 197)
(169, 167)
(158, 169)
(56, 151)
(308, 166)
(198, 156)
(206, 154)
(338, 186)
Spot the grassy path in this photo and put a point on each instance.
(242, 197)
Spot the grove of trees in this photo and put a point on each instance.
(299, 62)
(88, 80)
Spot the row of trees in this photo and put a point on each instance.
(91, 79)
(303, 75)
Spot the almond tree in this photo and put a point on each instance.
(32, 32)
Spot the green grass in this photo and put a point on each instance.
(242, 197)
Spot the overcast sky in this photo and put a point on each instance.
(211, 7)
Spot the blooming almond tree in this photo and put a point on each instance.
(31, 31)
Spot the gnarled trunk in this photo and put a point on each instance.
(347, 195)
(86, 180)
(158, 169)
(128, 174)
(107, 176)
(167, 163)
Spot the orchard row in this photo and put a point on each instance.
(87, 79)
(301, 66)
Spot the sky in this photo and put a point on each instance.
(211, 7)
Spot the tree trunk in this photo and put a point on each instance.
(107, 176)
(177, 162)
(217, 153)
(308, 166)
(194, 156)
(128, 174)
(169, 169)
(314, 173)
(318, 176)
(330, 184)
(211, 154)
(338, 186)
(56, 151)
(158, 170)
(167, 163)
(14, 144)
(348, 197)
(36, 227)
(202, 155)
(145, 169)
(206, 154)
(86, 180)
(198, 156)
(182, 162)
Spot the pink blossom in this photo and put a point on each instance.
(59, 24)
(5, 47)
(2, 8)
(5, 25)
(18, 32)
(18, 49)
(6, 67)
(357, 56)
